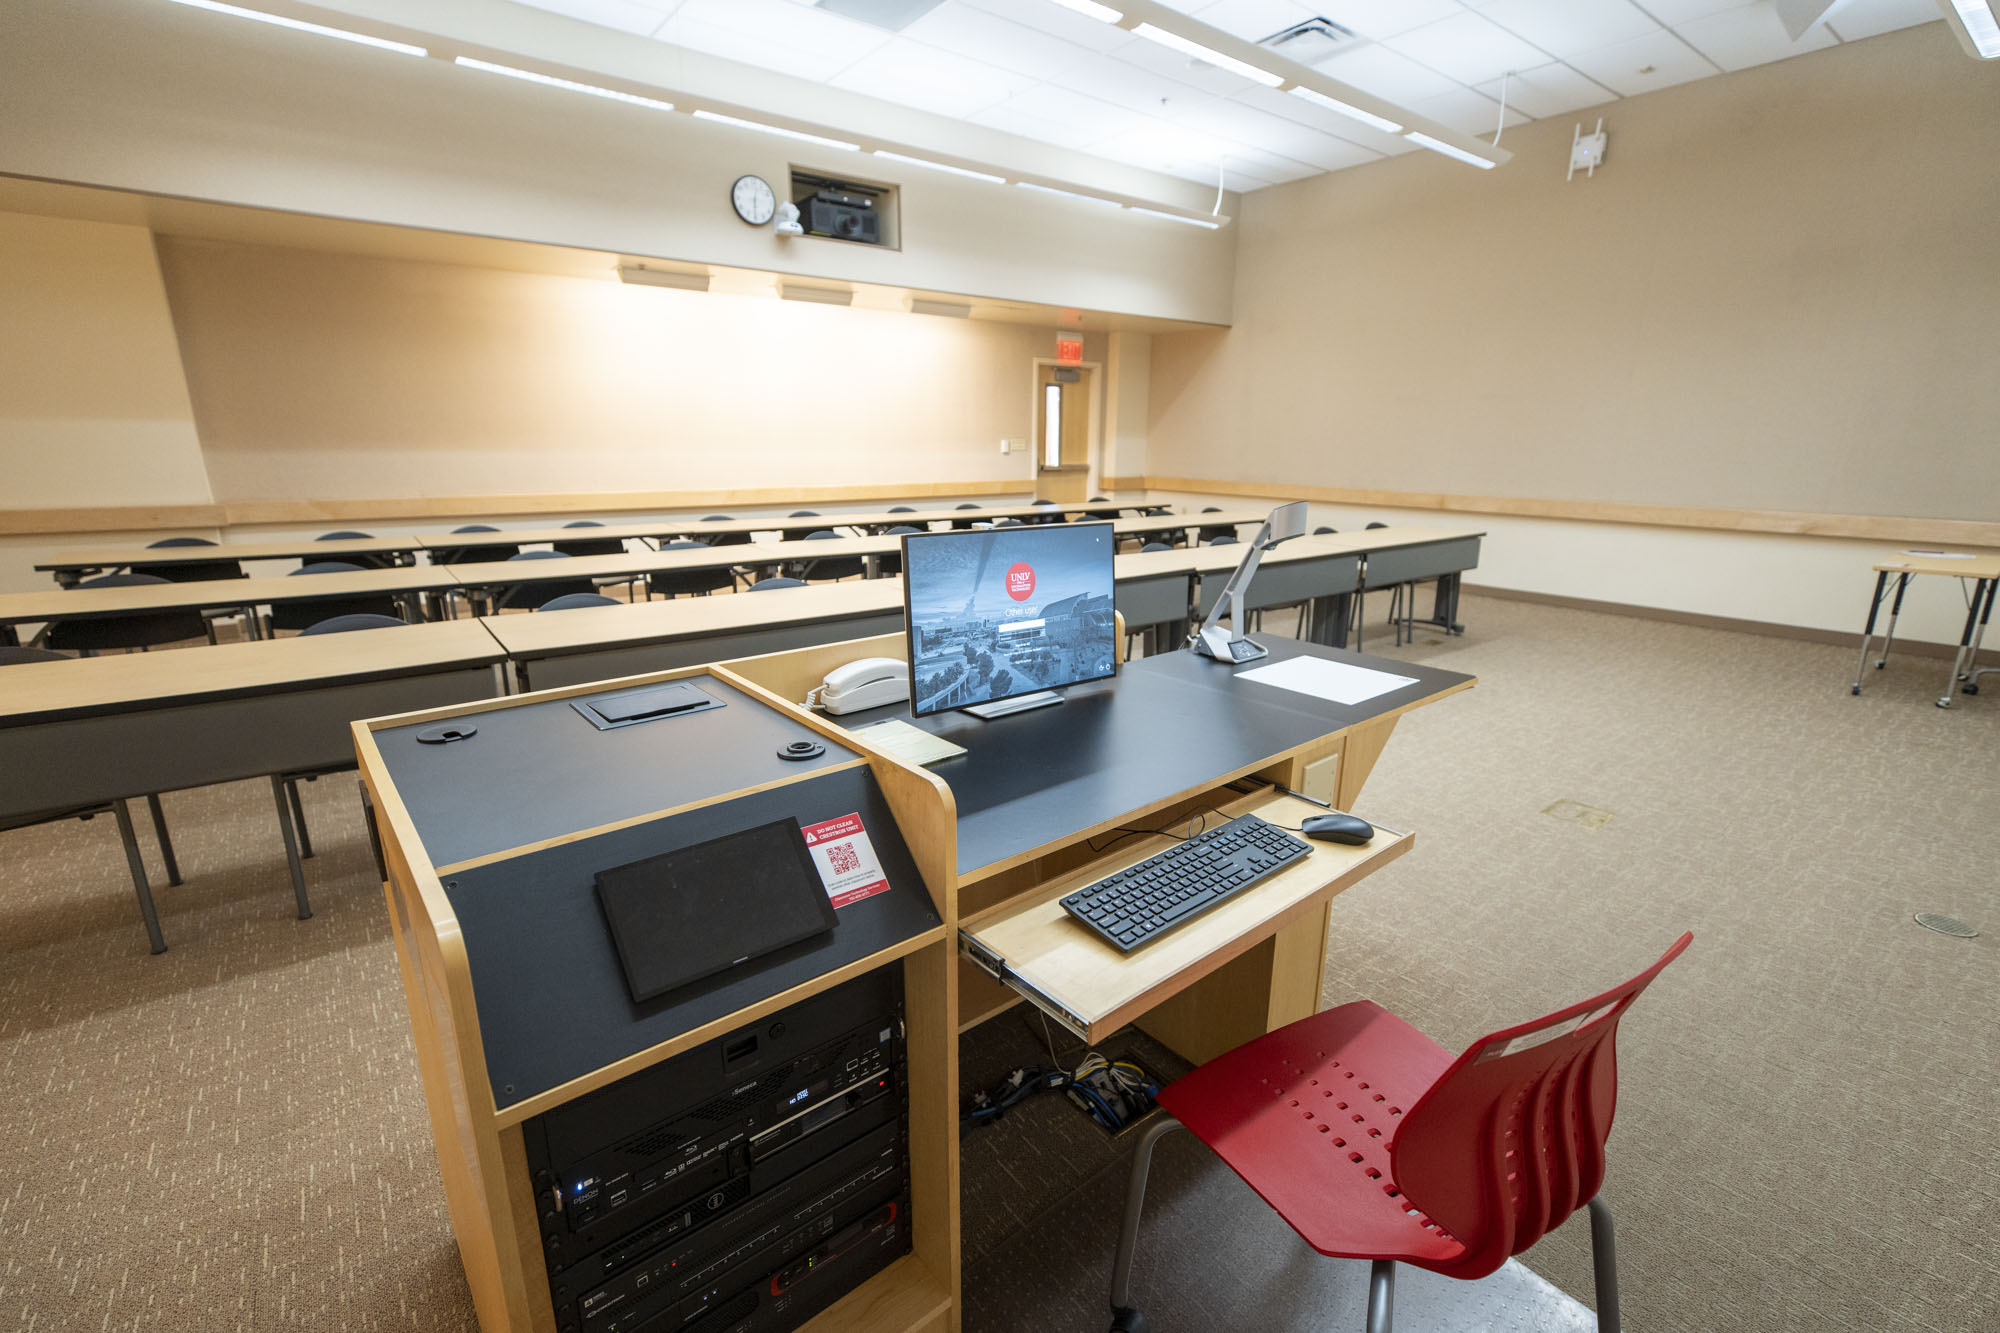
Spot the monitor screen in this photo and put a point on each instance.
(998, 612)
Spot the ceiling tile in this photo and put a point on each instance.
(966, 31)
(1084, 119)
(1385, 18)
(1467, 112)
(1643, 64)
(1181, 67)
(1053, 19)
(924, 77)
(1467, 48)
(773, 34)
(1123, 84)
(1565, 27)
(1378, 70)
(1247, 126)
(1550, 90)
(625, 15)
(1752, 35)
(1853, 20)
(1252, 20)
(1675, 12)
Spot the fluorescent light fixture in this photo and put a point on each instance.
(663, 277)
(1981, 29)
(1210, 223)
(1069, 194)
(1175, 41)
(299, 25)
(941, 166)
(1091, 9)
(742, 124)
(949, 309)
(1440, 146)
(792, 291)
(571, 84)
(1318, 98)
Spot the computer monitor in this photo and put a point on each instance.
(1007, 614)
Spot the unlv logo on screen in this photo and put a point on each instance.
(1021, 581)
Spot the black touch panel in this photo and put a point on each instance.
(541, 770)
(688, 914)
(1168, 723)
(553, 1005)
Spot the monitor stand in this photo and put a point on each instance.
(1019, 704)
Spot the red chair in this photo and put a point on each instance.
(1373, 1143)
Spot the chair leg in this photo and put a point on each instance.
(1124, 1319)
(1604, 1265)
(299, 819)
(166, 842)
(1381, 1295)
(291, 847)
(137, 865)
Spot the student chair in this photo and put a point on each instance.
(192, 570)
(891, 566)
(348, 624)
(779, 581)
(127, 629)
(1373, 1143)
(1325, 531)
(831, 568)
(1207, 536)
(120, 812)
(474, 555)
(576, 601)
(365, 560)
(601, 546)
(962, 524)
(1046, 518)
(534, 594)
(1100, 513)
(725, 538)
(688, 582)
(307, 612)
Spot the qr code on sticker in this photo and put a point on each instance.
(842, 859)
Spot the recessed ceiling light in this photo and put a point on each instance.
(941, 166)
(663, 277)
(1440, 146)
(949, 309)
(740, 123)
(1174, 41)
(553, 82)
(1209, 223)
(1318, 98)
(1091, 9)
(299, 25)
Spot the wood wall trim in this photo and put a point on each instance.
(477, 506)
(116, 518)
(1868, 527)
(149, 518)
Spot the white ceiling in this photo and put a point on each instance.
(1033, 68)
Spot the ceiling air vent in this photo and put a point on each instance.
(893, 15)
(1313, 41)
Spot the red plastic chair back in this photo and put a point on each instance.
(1509, 1141)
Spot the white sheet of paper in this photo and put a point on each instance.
(1338, 681)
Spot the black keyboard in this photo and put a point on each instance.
(1143, 902)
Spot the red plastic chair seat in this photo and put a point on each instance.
(1305, 1116)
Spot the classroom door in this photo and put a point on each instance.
(1062, 431)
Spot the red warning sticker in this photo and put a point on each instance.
(846, 859)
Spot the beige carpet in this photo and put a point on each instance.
(231, 1136)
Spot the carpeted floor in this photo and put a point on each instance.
(231, 1136)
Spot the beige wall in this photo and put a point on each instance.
(1779, 292)
(348, 377)
(93, 407)
(158, 98)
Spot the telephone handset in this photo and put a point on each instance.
(868, 683)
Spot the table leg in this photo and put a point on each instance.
(1973, 671)
(1959, 665)
(166, 841)
(1868, 630)
(291, 847)
(137, 864)
(1895, 610)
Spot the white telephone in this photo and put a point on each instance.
(868, 683)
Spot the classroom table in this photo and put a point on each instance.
(1982, 572)
(74, 565)
(402, 582)
(86, 731)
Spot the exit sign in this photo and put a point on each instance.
(1069, 349)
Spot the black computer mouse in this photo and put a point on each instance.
(1337, 827)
